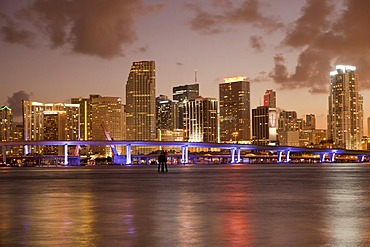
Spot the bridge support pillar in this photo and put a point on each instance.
(25, 150)
(361, 158)
(232, 155)
(128, 155)
(238, 155)
(287, 156)
(4, 154)
(279, 156)
(332, 157)
(185, 154)
(322, 157)
(65, 154)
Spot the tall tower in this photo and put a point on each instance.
(140, 102)
(6, 120)
(234, 110)
(201, 120)
(269, 99)
(181, 94)
(109, 112)
(345, 117)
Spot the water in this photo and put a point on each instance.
(222, 205)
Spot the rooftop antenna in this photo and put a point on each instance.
(196, 76)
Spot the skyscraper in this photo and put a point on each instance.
(35, 121)
(234, 110)
(140, 102)
(201, 120)
(164, 113)
(85, 123)
(6, 120)
(269, 99)
(345, 127)
(264, 126)
(106, 111)
(181, 94)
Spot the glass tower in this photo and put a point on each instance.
(345, 127)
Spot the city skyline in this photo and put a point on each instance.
(284, 46)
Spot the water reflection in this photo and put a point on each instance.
(190, 206)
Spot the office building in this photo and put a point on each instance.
(345, 127)
(85, 123)
(140, 102)
(107, 119)
(6, 121)
(165, 113)
(36, 122)
(201, 120)
(234, 98)
(264, 126)
(181, 94)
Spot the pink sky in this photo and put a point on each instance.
(55, 50)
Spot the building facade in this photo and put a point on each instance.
(107, 117)
(140, 102)
(201, 120)
(234, 98)
(269, 99)
(181, 94)
(37, 119)
(345, 118)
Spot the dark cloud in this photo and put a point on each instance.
(179, 64)
(326, 36)
(11, 32)
(262, 77)
(257, 43)
(15, 102)
(249, 12)
(92, 27)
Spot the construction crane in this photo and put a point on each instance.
(116, 159)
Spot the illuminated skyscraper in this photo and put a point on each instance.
(36, 120)
(85, 124)
(269, 99)
(345, 127)
(201, 120)
(235, 110)
(165, 113)
(181, 94)
(140, 102)
(264, 126)
(6, 120)
(106, 112)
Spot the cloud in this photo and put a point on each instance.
(325, 38)
(249, 12)
(15, 102)
(257, 43)
(91, 27)
(179, 64)
(12, 33)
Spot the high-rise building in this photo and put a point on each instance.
(6, 120)
(181, 94)
(54, 129)
(164, 113)
(140, 102)
(85, 124)
(269, 99)
(35, 121)
(264, 126)
(201, 120)
(289, 127)
(345, 127)
(107, 115)
(234, 110)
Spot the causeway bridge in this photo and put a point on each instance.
(282, 153)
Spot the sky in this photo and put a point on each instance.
(52, 51)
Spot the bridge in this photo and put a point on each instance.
(235, 149)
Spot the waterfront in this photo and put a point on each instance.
(204, 205)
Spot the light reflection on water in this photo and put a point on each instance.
(248, 205)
